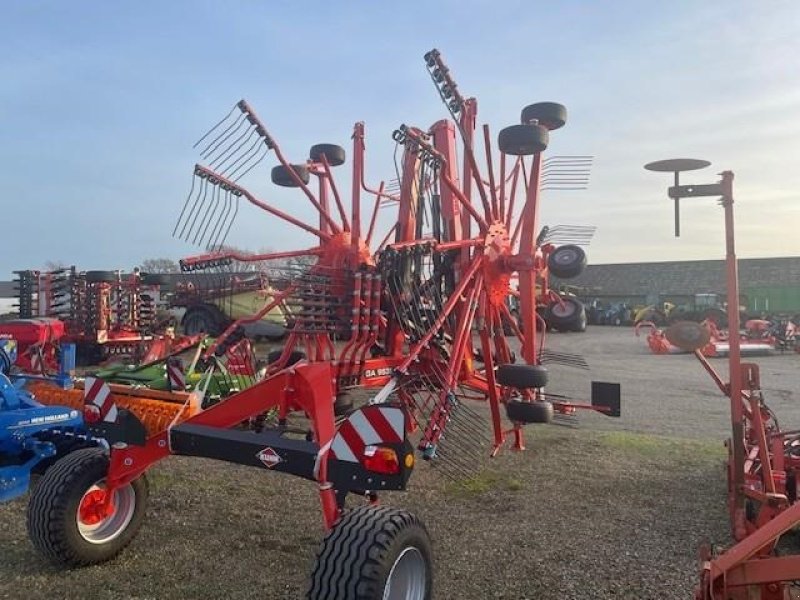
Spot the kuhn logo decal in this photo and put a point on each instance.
(269, 457)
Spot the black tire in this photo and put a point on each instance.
(277, 337)
(154, 279)
(522, 140)
(565, 315)
(333, 153)
(53, 511)
(65, 444)
(550, 115)
(295, 356)
(359, 552)
(282, 177)
(522, 376)
(580, 325)
(202, 319)
(529, 412)
(101, 277)
(566, 261)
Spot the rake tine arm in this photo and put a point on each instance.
(374, 216)
(388, 235)
(270, 141)
(215, 256)
(326, 166)
(448, 308)
(358, 146)
(502, 214)
(451, 185)
(490, 168)
(514, 325)
(216, 179)
(185, 206)
(513, 193)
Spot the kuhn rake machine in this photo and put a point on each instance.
(763, 459)
(415, 320)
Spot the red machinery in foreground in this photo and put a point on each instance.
(763, 460)
(406, 318)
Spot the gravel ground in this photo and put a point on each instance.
(600, 508)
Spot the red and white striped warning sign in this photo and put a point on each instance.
(371, 425)
(97, 392)
(175, 377)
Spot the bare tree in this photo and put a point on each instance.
(55, 265)
(160, 265)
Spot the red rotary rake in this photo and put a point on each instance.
(418, 322)
(763, 460)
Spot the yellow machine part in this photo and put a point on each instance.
(155, 409)
(245, 304)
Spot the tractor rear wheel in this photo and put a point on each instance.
(67, 519)
(202, 319)
(374, 553)
(529, 412)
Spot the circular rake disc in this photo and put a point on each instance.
(673, 165)
(688, 335)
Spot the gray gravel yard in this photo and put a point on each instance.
(596, 508)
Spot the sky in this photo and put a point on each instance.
(100, 103)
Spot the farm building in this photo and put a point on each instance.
(767, 285)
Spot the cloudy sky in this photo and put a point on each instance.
(101, 103)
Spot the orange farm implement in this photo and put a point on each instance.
(415, 318)
(763, 460)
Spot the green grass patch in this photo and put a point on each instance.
(661, 447)
(482, 482)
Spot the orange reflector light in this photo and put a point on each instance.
(381, 460)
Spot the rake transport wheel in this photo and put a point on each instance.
(522, 376)
(523, 140)
(567, 261)
(282, 176)
(549, 115)
(529, 412)
(374, 553)
(566, 315)
(335, 155)
(67, 520)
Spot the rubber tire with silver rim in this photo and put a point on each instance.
(54, 521)
(374, 553)
(566, 314)
(567, 261)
